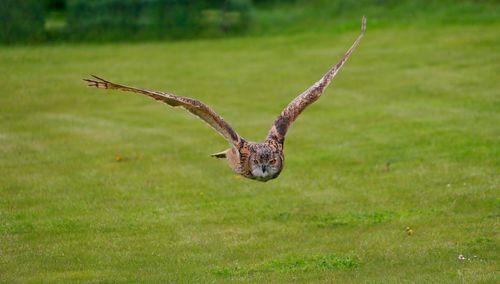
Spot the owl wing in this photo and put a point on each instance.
(193, 106)
(293, 110)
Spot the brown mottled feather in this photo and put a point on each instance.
(193, 106)
(293, 110)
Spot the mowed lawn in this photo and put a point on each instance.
(106, 186)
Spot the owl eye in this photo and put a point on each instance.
(272, 162)
(255, 161)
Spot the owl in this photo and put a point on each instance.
(257, 161)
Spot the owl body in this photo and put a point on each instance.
(257, 161)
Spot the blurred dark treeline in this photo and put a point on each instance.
(108, 20)
(35, 21)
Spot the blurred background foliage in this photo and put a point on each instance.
(21, 21)
(31, 21)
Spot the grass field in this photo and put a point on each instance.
(113, 187)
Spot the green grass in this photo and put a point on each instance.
(324, 15)
(406, 136)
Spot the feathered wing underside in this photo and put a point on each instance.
(293, 110)
(193, 106)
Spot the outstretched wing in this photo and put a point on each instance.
(193, 106)
(293, 110)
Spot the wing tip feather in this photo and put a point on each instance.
(97, 82)
(363, 25)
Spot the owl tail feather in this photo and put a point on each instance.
(220, 155)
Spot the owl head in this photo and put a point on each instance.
(265, 164)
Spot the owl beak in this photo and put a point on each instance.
(264, 169)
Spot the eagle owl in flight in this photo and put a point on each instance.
(258, 161)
